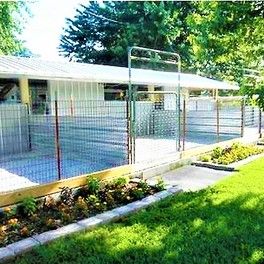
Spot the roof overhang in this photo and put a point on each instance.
(33, 68)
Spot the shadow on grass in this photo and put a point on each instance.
(188, 228)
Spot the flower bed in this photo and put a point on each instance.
(231, 154)
(33, 216)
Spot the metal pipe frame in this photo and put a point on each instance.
(132, 92)
(260, 123)
(242, 116)
(217, 121)
(57, 138)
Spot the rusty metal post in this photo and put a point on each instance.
(129, 148)
(260, 123)
(29, 126)
(184, 124)
(217, 121)
(57, 139)
(242, 117)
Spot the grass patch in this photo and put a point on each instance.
(222, 224)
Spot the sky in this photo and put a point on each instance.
(43, 28)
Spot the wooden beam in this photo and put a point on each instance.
(151, 88)
(24, 91)
(38, 191)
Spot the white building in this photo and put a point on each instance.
(82, 81)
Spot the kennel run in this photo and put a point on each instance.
(73, 118)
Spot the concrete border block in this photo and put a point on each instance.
(136, 206)
(23, 246)
(141, 205)
(49, 236)
(162, 194)
(108, 216)
(174, 190)
(90, 223)
(123, 210)
(6, 253)
(150, 200)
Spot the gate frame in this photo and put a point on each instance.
(132, 92)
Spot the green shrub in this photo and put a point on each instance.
(144, 186)
(232, 154)
(93, 185)
(205, 158)
(80, 207)
(27, 207)
(120, 182)
(95, 203)
(160, 185)
(217, 152)
(137, 193)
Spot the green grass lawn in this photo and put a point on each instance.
(222, 224)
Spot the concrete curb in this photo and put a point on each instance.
(18, 248)
(213, 166)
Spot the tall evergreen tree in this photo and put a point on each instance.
(102, 34)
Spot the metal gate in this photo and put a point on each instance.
(156, 132)
(154, 115)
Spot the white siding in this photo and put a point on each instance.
(81, 91)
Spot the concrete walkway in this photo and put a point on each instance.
(191, 178)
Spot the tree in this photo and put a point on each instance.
(216, 38)
(9, 27)
(102, 34)
(227, 37)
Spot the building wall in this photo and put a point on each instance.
(82, 91)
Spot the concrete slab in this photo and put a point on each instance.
(192, 178)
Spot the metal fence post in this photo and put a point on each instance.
(217, 121)
(184, 124)
(260, 123)
(29, 126)
(57, 139)
(134, 128)
(129, 149)
(242, 117)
